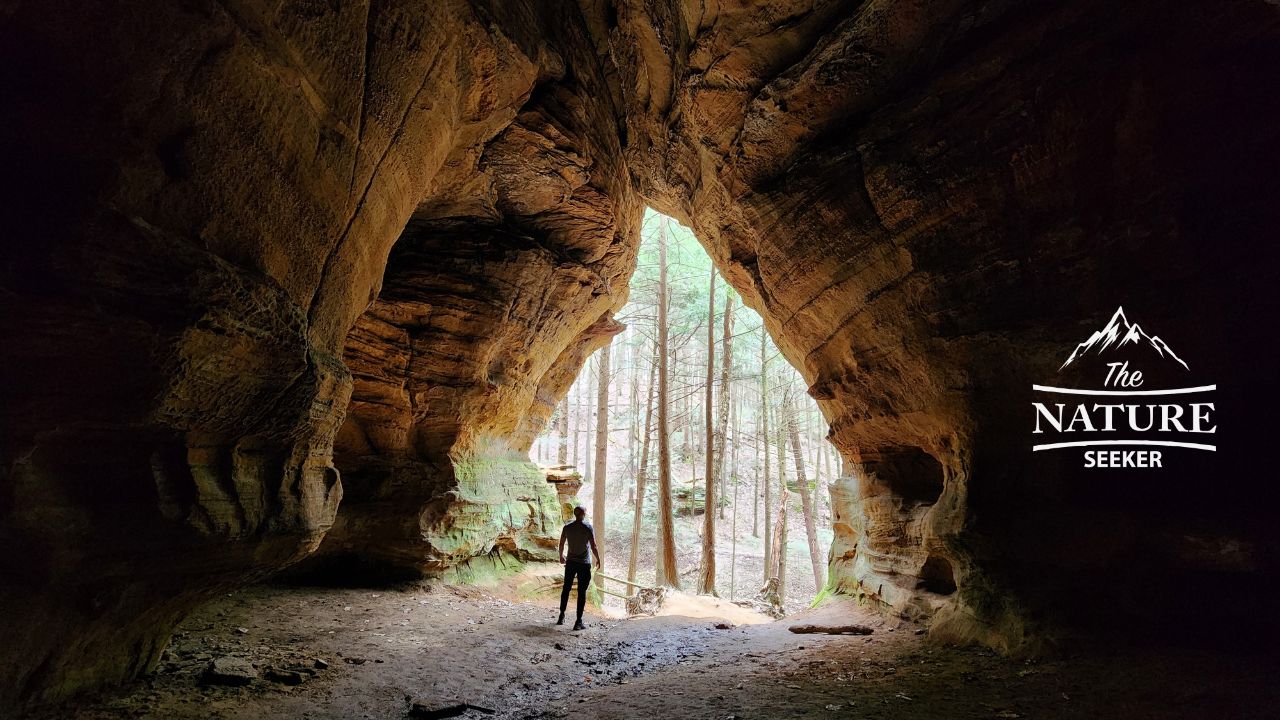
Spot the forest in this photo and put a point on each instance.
(693, 401)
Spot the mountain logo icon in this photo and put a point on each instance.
(1119, 333)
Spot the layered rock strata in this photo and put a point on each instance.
(931, 207)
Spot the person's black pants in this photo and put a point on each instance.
(582, 571)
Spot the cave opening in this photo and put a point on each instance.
(936, 576)
(757, 379)
(909, 473)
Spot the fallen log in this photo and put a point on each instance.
(831, 629)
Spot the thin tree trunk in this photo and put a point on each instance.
(733, 553)
(585, 399)
(707, 575)
(562, 455)
(667, 573)
(575, 421)
(726, 366)
(824, 495)
(806, 503)
(641, 477)
(780, 533)
(780, 539)
(633, 414)
(735, 422)
(820, 482)
(686, 438)
(602, 454)
(763, 441)
(755, 503)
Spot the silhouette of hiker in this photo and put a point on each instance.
(579, 536)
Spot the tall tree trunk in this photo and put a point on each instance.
(602, 453)
(763, 442)
(641, 476)
(584, 397)
(707, 574)
(755, 503)
(726, 366)
(733, 553)
(576, 420)
(562, 456)
(667, 574)
(779, 569)
(806, 503)
(633, 414)
(735, 422)
(819, 504)
(824, 495)
(780, 532)
(686, 437)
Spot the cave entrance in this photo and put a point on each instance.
(761, 414)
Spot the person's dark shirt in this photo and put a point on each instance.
(577, 536)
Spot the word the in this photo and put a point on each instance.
(1119, 372)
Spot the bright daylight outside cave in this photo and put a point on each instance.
(616, 359)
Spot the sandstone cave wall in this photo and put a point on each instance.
(202, 200)
(501, 285)
(930, 208)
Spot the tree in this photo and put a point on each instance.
(667, 574)
(733, 553)
(575, 421)
(780, 532)
(806, 504)
(734, 422)
(641, 477)
(824, 478)
(764, 451)
(633, 394)
(602, 451)
(726, 366)
(562, 457)
(584, 398)
(707, 576)
(755, 503)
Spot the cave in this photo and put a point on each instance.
(936, 576)
(290, 289)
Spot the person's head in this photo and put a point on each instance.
(579, 512)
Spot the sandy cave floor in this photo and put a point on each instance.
(440, 645)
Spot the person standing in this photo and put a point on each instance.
(579, 537)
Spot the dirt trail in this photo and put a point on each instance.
(387, 649)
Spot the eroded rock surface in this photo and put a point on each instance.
(495, 294)
(930, 207)
(204, 199)
(228, 218)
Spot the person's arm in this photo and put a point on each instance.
(592, 541)
(562, 539)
